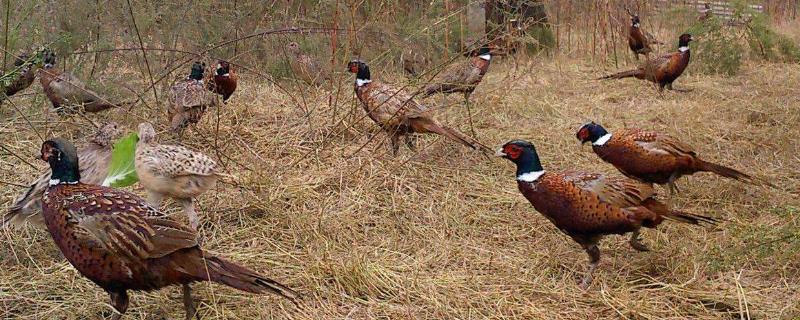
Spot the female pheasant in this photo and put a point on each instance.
(189, 100)
(306, 67)
(588, 206)
(661, 70)
(121, 243)
(224, 80)
(649, 156)
(397, 113)
(94, 159)
(173, 171)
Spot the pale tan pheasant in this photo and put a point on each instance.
(306, 67)
(173, 171)
(94, 159)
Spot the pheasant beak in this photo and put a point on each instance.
(500, 153)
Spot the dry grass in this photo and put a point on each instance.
(443, 233)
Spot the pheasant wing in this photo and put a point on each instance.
(618, 191)
(124, 225)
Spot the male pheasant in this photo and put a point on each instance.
(462, 77)
(661, 70)
(224, 81)
(68, 94)
(588, 206)
(25, 73)
(94, 159)
(119, 242)
(397, 113)
(639, 41)
(650, 156)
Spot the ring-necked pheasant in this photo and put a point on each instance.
(650, 156)
(189, 100)
(661, 70)
(68, 94)
(639, 41)
(25, 70)
(224, 80)
(306, 67)
(588, 206)
(397, 113)
(94, 160)
(462, 76)
(173, 171)
(119, 242)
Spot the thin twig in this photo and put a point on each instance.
(144, 53)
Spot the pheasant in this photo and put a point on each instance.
(189, 100)
(649, 156)
(68, 94)
(639, 40)
(662, 70)
(119, 242)
(413, 61)
(462, 77)
(25, 74)
(94, 159)
(588, 206)
(224, 80)
(398, 113)
(306, 67)
(706, 13)
(173, 171)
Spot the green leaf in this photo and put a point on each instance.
(122, 171)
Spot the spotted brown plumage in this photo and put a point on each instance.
(189, 100)
(306, 67)
(224, 80)
(662, 70)
(650, 156)
(173, 171)
(588, 206)
(67, 93)
(24, 73)
(119, 242)
(94, 159)
(397, 113)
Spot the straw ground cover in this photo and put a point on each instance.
(443, 233)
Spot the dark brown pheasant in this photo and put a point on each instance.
(68, 94)
(121, 243)
(639, 41)
(588, 206)
(662, 70)
(25, 70)
(397, 113)
(224, 80)
(650, 156)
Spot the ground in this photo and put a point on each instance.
(322, 206)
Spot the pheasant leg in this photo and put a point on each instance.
(594, 260)
(636, 242)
